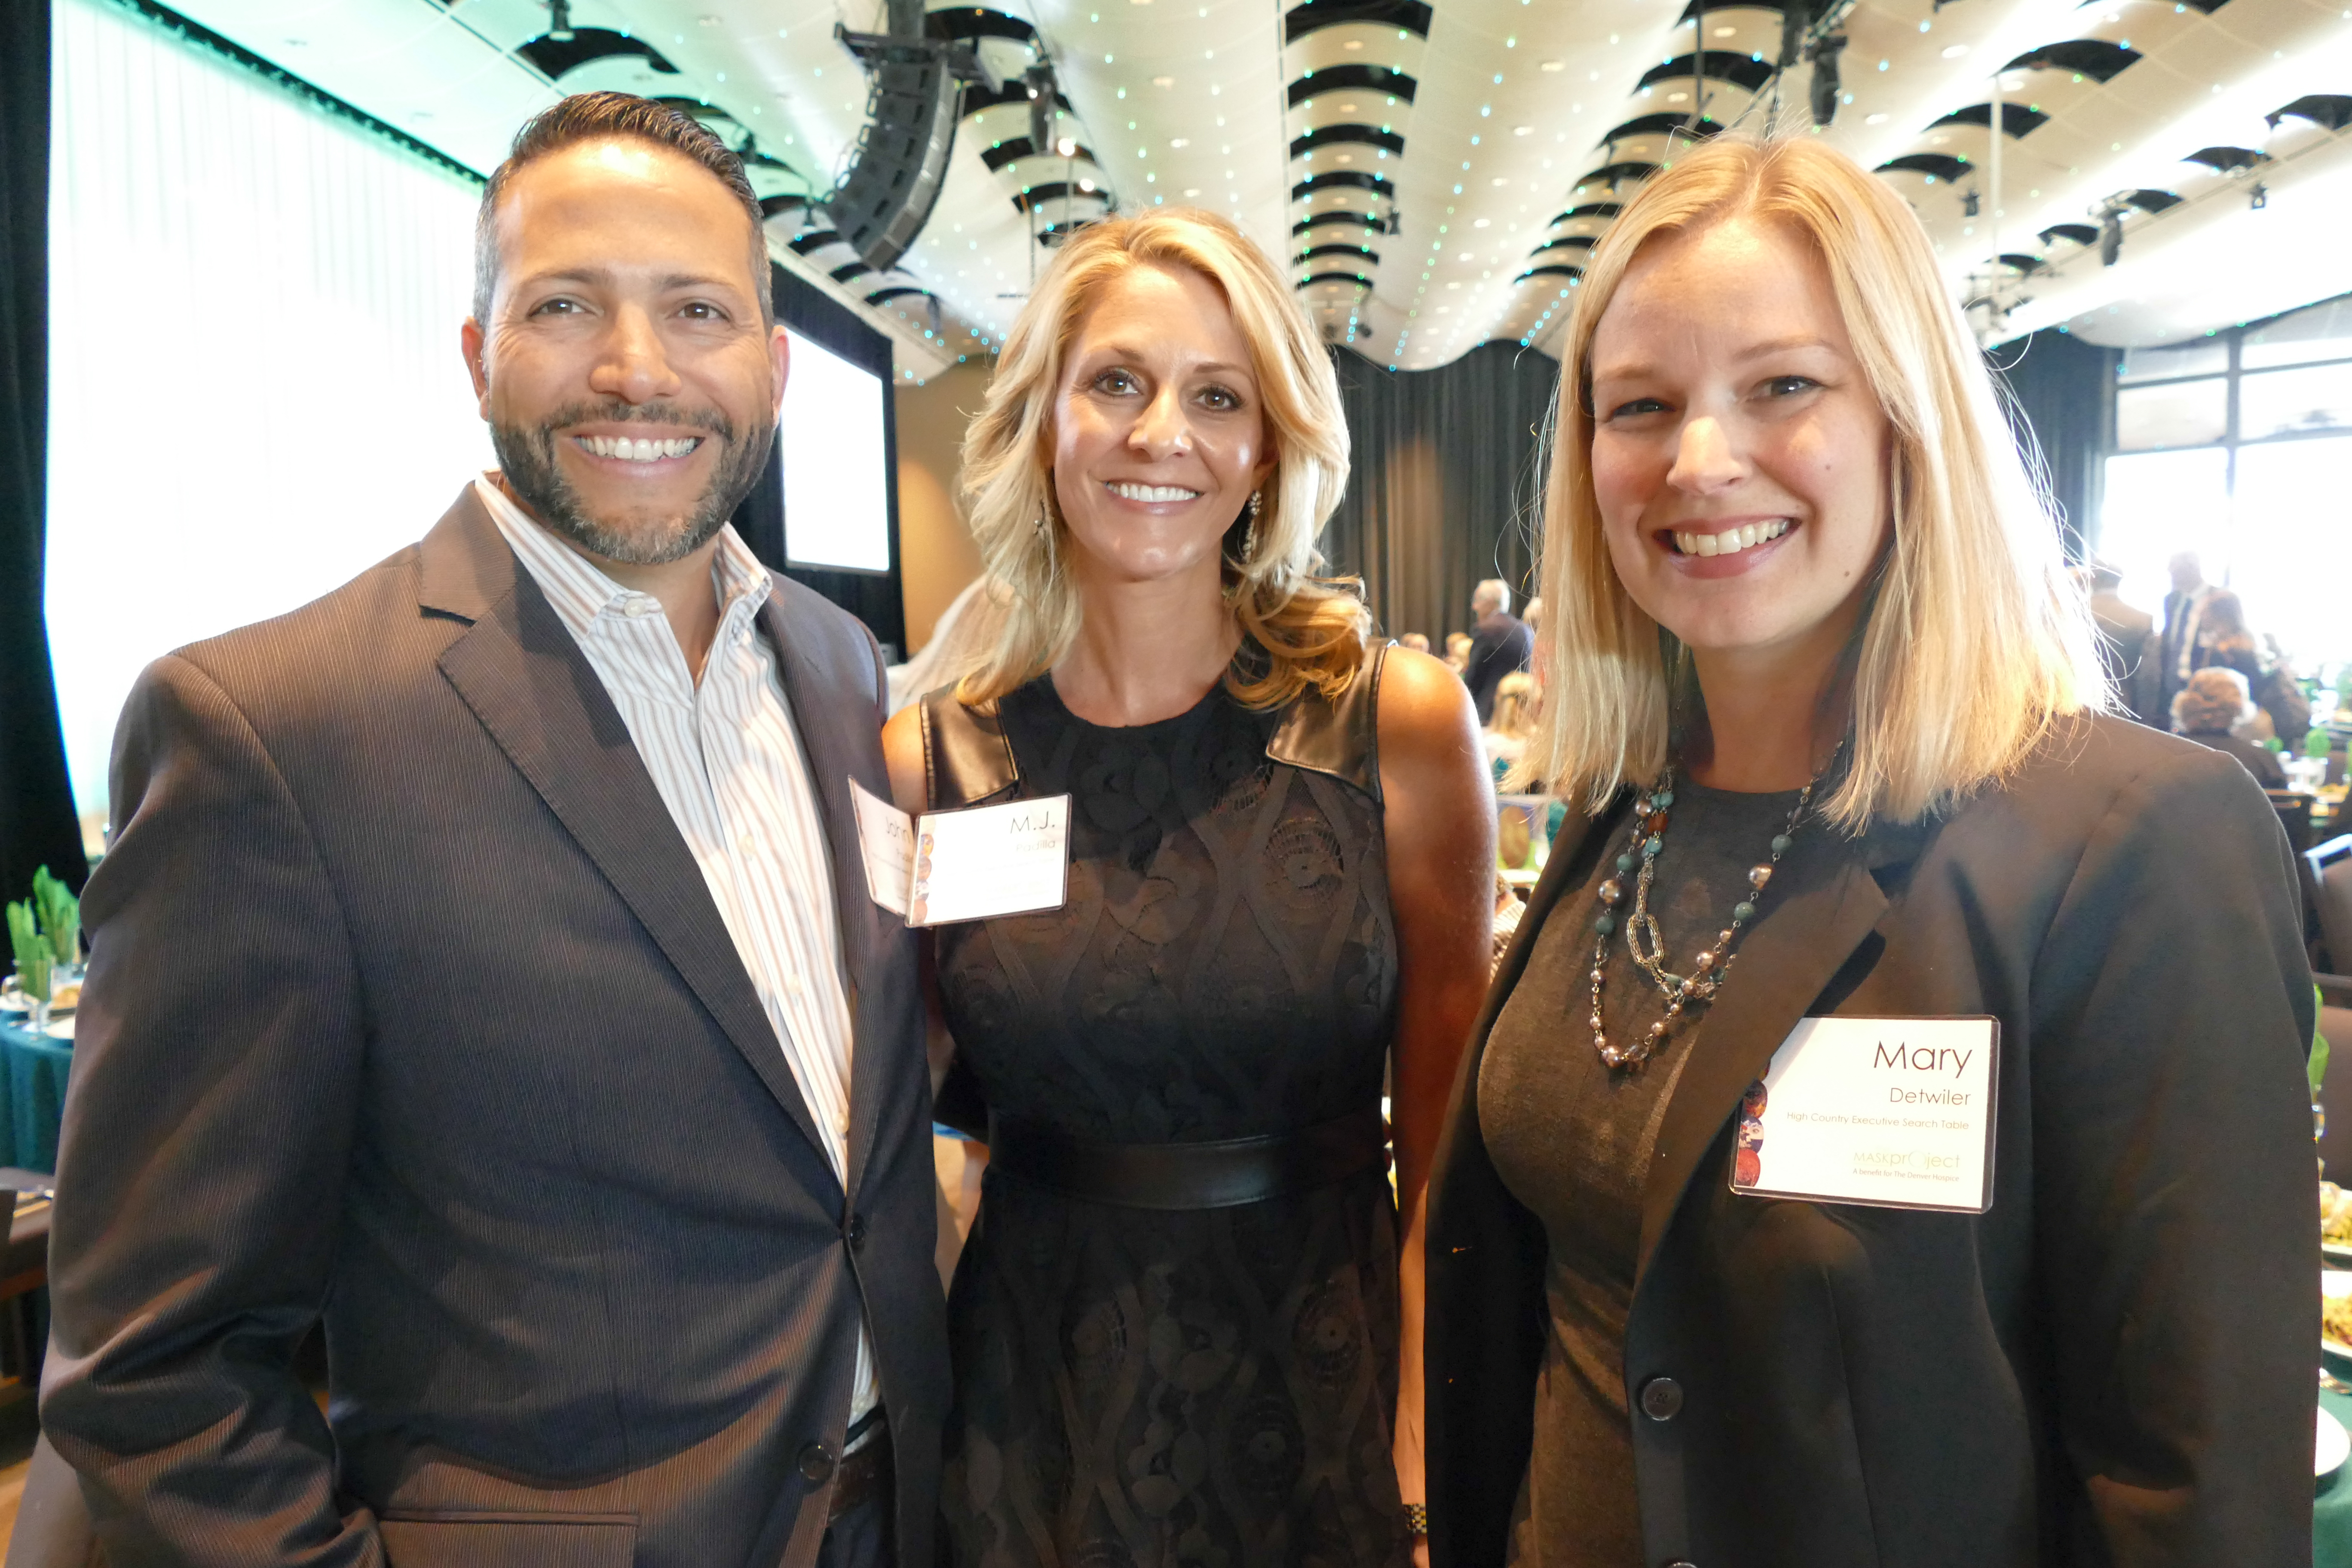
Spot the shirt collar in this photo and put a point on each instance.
(580, 594)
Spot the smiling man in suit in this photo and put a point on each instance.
(484, 965)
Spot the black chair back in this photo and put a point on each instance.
(2328, 869)
(2294, 809)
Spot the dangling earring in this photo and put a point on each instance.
(1249, 534)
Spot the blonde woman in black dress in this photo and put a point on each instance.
(1187, 1323)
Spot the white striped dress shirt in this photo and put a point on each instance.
(727, 763)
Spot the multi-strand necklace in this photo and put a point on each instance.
(1710, 964)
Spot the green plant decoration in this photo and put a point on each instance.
(32, 951)
(60, 916)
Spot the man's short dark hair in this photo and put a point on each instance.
(601, 116)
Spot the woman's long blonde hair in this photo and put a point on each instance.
(1312, 629)
(1974, 642)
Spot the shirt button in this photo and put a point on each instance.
(841, 1123)
(1661, 1399)
(637, 609)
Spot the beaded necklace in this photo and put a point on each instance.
(1708, 967)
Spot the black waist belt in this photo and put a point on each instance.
(1212, 1175)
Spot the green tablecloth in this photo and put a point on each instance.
(32, 1096)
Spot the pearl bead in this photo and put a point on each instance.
(1597, 977)
(1757, 875)
(1658, 1031)
(1611, 891)
(1704, 962)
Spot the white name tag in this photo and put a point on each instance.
(948, 866)
(1896, 1112)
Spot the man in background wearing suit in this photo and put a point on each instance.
(2129, 646)
(484, 965)
(1499, 644)
(2184, 607)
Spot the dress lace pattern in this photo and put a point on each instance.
(1140, 1388)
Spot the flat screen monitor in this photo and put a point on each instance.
(836, 463)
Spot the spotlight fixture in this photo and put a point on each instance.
(2259, 197)
(2110, 238)
(1825, 52)
(1970, 203)
(559, 21)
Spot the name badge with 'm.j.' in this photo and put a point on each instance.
(969, 865)
(1891, 1112)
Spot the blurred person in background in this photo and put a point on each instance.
(1831, 717)
(2184, 610)
(1417, 641)
(1499, 644)
(2210, 707)
(1187, 1324)
(1457, 652)
(1514, 720)
(2225, 642)
(2129, 646)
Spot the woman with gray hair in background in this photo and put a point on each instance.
(2211, 708)
(1187, 1326)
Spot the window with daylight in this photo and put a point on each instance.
(2235, 446)
(256, 391)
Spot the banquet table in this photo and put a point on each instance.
(34, 1071)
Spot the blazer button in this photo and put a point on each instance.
(816, 1464)
(1662, 1400)
(856, 1232)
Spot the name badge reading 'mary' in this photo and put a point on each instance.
(949, 866)
(1895, 1112)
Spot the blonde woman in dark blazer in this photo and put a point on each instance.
(1837, 735)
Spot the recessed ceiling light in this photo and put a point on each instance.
(1164, 81)
(1954, 51)
(1194, 191)
(1346, 109)
(1499, 180)
(1344, 158)
(1523, 130)
(1353, 43)
(1555, 65)
(1875, 120)
(1677, 97)
(1725, 32)
(1181, 141)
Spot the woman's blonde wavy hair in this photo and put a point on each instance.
(1974, 644)
(1313, 630)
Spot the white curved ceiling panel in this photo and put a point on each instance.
(1428, 174)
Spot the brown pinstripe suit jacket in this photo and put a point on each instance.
(409, 1009)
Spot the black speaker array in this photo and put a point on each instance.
(902, 155)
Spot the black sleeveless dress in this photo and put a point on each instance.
(1145, 1388)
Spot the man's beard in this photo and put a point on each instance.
(527, 458)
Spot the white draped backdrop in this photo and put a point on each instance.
(256, 391)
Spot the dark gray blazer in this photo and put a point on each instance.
(2114, 1365)
(409, 1009)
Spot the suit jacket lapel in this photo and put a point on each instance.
(532, 689)
(839, 739)
(1829, 902)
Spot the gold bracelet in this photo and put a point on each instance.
(1416, 1519)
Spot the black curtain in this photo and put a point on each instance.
(2062, 404)
(1446, 483)
(37, 825)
